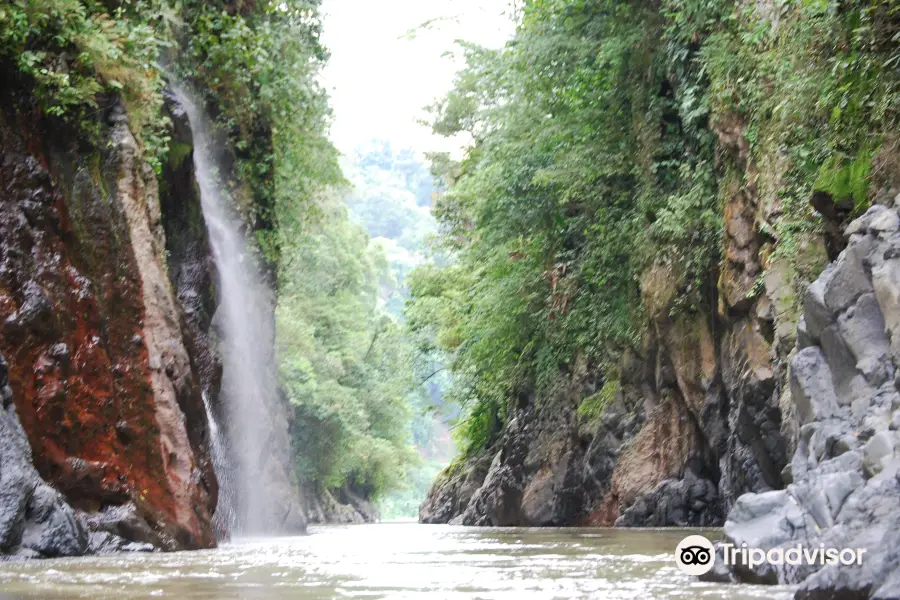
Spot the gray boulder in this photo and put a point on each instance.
(817, 316)
(35, 519)
(812, 389)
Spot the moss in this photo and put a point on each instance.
(178, 151)
(592, 407)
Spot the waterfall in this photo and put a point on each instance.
(244, 323)
(224, 518)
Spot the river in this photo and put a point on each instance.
(390, 560)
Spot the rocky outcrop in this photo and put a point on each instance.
(35, 519)
(539, 473)
(102, 382)
(644, 461)
(691, 422)
(844, 489)
(342, 505)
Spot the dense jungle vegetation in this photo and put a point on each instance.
(597, 152)
(343, 359)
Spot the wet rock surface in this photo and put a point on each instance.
(100, 377)
(845, 489)
(192, 272)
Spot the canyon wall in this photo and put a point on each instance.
(635, 228)
(103, 381)
(702, 412)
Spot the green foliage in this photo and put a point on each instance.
(342, 359)
(74, 50)
(592, 407)
(258, 67)
(818, 88)
(343, 362)
(391, 195)
(846, 181)
(587, 166)
(606, 137)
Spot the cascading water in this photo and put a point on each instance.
(244, 323)
(224, 518)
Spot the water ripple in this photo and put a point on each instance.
(404, 561)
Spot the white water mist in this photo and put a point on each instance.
(245, 325)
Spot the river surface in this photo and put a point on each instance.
(390, 560)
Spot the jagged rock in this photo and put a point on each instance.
(763, 519)
(886, 221)
(863, 224)
(845, 491)
(812, 389)
(816, 315)
(339, 506)
(849, 280)
(102, 542)
(35, 313)
(451, 492)
(849, 383)
(125, 522)
(687, 502)
(498, 501)
(886, 281)
(877, 452)
(85, 308)
(804, 339)
(862, 328)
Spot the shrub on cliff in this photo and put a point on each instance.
(605, 136)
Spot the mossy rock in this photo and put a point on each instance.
(178, 152)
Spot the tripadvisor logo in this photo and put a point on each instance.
(695, 555)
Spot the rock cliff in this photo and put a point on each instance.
(99, 370)
(806, 421)
(704, 410)
(844, 477)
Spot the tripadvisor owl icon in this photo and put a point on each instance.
(695, 555)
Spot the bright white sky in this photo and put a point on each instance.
(379, 79)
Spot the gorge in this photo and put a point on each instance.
(661, 288)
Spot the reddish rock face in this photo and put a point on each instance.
(90, 328)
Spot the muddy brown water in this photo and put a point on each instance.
(390, 560)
